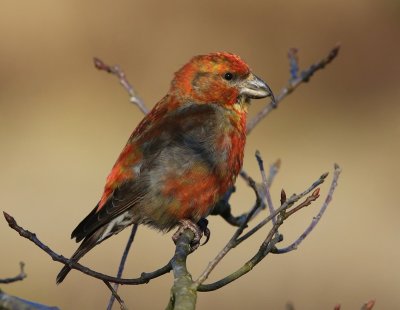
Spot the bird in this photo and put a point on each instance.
(182, 157)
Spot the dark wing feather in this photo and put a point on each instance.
(123, 198)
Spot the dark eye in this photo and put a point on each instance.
(228, 76)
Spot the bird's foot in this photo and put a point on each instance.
(198, 230)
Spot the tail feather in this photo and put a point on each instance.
(88, 243)
(100, 234)
(62, 274)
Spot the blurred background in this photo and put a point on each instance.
(63, 124)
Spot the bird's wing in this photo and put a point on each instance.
(111, 209)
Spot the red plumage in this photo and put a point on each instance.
(182, 157)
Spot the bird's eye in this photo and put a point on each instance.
(228, 76)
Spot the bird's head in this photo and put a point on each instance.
(220, 78)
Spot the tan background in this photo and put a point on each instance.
(62, 125)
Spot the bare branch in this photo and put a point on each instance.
(265, 187)
(116, 296)
(273, 171)
(117, 71)
(22, 275)
(293, 84)
(267, 246)
(183, 294)
(287, 204)
(269, 243)
(316, 219)
(293, 63)
(143, 279)
(122, 264)
(314, 196)
(232, 242)
(280, 214)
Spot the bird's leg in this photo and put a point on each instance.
(198, 230)
(203, 225)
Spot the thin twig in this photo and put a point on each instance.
(292, 85)
(22, 275)
(269, 243)
(265, 187)
(143, 279)
(317, 218)
(273, 171)
(122, 263)
(117, 71)
(314, 196)
(293, 63)
(287, 204)
(135, 99)
(232, 242)
(116, 296)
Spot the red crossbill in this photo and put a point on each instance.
(182, 157)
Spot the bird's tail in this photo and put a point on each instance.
(87, 244)
(62, 274)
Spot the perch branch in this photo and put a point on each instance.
(19, 277)
(143, 279)
(294, 82)
(183, 294)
